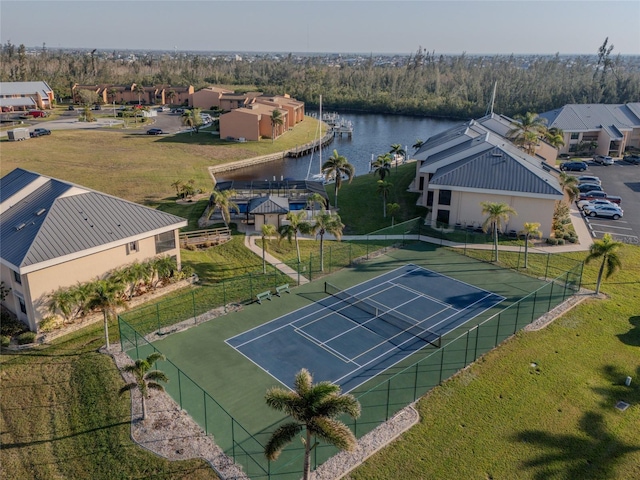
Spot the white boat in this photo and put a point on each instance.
(318, 177)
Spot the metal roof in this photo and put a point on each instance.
(24, 88)
(497, 169)
(15, 181)
(18, 102)
(593, 116)
(270, 204)
(59, 219)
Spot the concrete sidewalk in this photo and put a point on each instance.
(250, 243)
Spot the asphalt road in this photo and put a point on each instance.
(621, 179)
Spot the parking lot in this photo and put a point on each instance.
(621, 179)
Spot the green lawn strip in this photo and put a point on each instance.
(62, 417)
(135, 166)
(191, 211)
(505, 417)
(360, 208)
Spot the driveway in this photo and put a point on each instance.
(621, 179)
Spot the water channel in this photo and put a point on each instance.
(373, 134)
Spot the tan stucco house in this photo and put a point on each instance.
(208, 98)
(294, 108)
(251, 123)
(614, 128)
(57, 234)
(461, 167)
(123, 94)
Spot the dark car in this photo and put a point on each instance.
(573, 166)
(633, 159)
(589, 187)
(38, 132)
(154, 131)
(602, 195)
(71, 107)
(97, 107)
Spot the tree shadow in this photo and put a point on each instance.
(574, 456)
(632, 337)
(617, 390)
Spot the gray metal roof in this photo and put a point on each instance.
(25, 88)
(18, 102)
(60, 219)
(593, 116)
(497, 169)
(270, 204)
(15, 181)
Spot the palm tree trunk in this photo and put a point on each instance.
(144, 407)
(297, 247)
(604, 260)
(307, 457)
(384, 207)
(106, 327)
(335, 189)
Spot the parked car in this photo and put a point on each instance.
(600, 195)
(573, 166)
(589, 179)
(589, 187)
(634, 159)
(37, 113)
(603, 159)
(595, 201)
(39, 132)
(611, 211)
(154, 131)
(71, 107)
(97, 107)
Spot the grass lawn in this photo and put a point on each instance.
(505, 417)
(135, 166)
(62, 418)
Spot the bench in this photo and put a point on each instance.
(282, 288)
(263, 296)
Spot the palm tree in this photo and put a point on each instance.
(145, 378)
(313, 200)
(607, 249)
(417, 145)
(383, 190)
(171, 94)
(382, 165)
(326, 223)
(177, 184)
(222, 200)
(296, 224)
(398, 151)
(139, 89)
(497, 213)
(554, 136)
(392, 209)
(276, 122)
(62, 301)
(106, 295)
(188, 120)
(530, 229)
(267, 230)
(526, 130)
(313, 408)
(335, 167)
(162, 268)
(569, 185)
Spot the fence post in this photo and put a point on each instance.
(158, 315)
(415, 383)
(330, 258)
(388, 397)
(310, 266)
(497, 330)
(120, 332)
(250, 286)
(546, 271)
(193, 302)
(519, 252)
(299, 273)
(224, 294)
(204, 400)
(475, 353)
(550, 296)
(441, 365)
(533, 310)
(466, 348)
(179, 389)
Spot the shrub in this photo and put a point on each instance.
(561, 241)
(572, 239)
(48, 324)
(11, 326)
(552, 241)
(5, 340)
(26, 337)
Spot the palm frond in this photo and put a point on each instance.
(283, 435)
(156, 376)
(128, 387)
(334, 432)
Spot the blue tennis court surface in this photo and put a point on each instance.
(353, 335)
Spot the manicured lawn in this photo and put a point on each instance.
(540, 406)
(62, 418)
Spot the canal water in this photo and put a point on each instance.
(373, 135)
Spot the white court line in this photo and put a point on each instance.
(324, 346)
(472, 304)
(420, 294)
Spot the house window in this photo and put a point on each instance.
(444, 197)
(132, 247)
(23, 306)
(421, 187)
(443, 217)
(17, 278)
(575, 135)
(165, 241)
(430, 198)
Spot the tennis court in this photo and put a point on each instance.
(355, 334)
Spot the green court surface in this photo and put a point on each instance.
(237, 386)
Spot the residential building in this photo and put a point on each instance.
(294, 108)
(461, 167)
(57, 234)
(208, 98)
(21, 96)
(231, 101)
(251, 123)
(611, 129)
(129, 94)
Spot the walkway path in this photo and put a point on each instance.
(250, 243)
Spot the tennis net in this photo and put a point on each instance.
(408, 325)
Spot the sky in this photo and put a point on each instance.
(310, 26)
